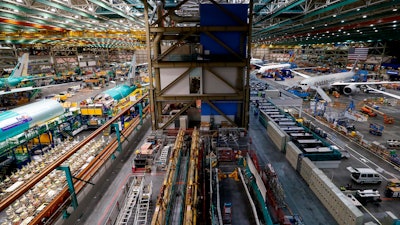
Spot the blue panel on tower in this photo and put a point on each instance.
(213, 15)
(227, 107)
(230, 15)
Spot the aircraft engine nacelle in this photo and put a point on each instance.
(350, 89)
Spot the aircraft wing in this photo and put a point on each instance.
(365, 83)
(16, 90)
(300, 74)
(384, 92)
(258, 66)
(38, 78)
(30, 88)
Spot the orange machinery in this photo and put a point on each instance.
(386, 119)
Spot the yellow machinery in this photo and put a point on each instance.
(393, 188)
(127, 101)
(234, 175)
(92, 110)
(386, 119)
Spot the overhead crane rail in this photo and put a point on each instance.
(29, 184)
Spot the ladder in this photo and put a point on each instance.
(130, 203)
(162, 160)
(144, 205)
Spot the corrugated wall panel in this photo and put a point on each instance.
(276, 135)
(338, 205)
(292, 154)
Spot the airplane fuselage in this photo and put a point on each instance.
(325, 80)
(13, 81)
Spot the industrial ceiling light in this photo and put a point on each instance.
(364, 16)
(395, 9)
(334, 15)
(342, 21)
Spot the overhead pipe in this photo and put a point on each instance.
(181, 19)
(30, 11)
(68, 9)
(345, 15)
(308, 15)
(348, 26)
(117, 11)
(280, 11)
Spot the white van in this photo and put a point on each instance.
(364, 175)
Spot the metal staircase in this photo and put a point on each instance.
(323, 95)
(124, 217)
(144, 205)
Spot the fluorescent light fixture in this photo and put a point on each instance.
(53, 9)
(364, 16)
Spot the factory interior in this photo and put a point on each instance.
(206, 112)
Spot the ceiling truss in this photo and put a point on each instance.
(291, 22)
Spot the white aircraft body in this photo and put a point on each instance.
(264, 68)
(336, 80)
(255, 61)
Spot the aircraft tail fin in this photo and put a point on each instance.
(354, 66)
(132, 70)
(21, 69)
